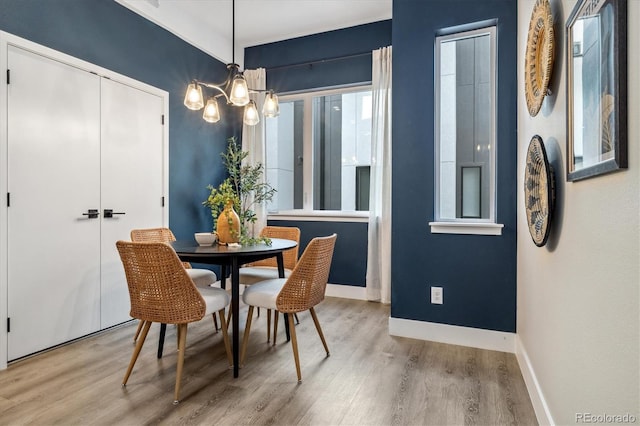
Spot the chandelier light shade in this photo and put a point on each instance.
(211, 111)
(251, 116)
(271, 108)
(193, 98)
(239, 91)
(234, 90)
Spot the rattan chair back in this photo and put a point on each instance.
(155, 235)
(289, 257)
(306, 286)
(160, 290)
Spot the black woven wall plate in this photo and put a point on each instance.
(539, 191)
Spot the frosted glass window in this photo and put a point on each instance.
(471, 189)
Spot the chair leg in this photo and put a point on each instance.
(268, 325)
(275, 326)
(215, 322)
(138, 330)
(286, 327)
(294, 345)
(145, 329)
(317, 323)
(225, 337)
(228, 318)
(177, 338)
(182, 343)
(163, 331)
(245, 339)
(296, 317)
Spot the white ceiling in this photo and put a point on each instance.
(207, 24)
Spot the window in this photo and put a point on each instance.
(465, 143)
(318, 151)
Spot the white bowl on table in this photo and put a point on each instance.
(206, 238)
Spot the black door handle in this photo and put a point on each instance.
(110, 213)
(92, 213)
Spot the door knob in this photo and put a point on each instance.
(92, 213)
(110, 213)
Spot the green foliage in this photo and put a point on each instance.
(244, 187)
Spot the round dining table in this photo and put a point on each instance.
(230, 258)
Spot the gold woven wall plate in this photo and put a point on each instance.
(539, 57)
(539, 191)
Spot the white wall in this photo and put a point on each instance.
(578, 297)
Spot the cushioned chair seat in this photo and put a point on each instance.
(264, 293)
(202, 277)
(215, 298)
(267, 269)
(250, 275)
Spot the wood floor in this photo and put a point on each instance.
(370, 378)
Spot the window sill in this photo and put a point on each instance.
(320, 216)
(475, 228)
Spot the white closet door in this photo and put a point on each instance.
(132, 183)
(53, 176)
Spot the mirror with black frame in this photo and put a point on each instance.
(596, 88)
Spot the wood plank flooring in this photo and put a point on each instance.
(370, 378)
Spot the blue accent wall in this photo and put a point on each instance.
(311, 62)
(478, 273)
(349, 264)
(354, 44)
(109, 35)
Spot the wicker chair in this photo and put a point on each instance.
(302, 291)
(201, 277)
(161, 291)
(267, 269)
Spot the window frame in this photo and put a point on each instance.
(478, 226)
(307, 212)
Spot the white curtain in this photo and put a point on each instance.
(253, 140)
(379, 248)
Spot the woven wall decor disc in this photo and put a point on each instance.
(539, 57)
(539, 191)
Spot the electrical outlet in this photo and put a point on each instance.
(436, 296)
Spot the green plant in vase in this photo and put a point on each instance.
(244, 188)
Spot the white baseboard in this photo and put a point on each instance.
(346, 291)
(533, 387)
(453, 334)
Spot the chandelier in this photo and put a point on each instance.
(234, 90)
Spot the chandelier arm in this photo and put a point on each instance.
(216, 87)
